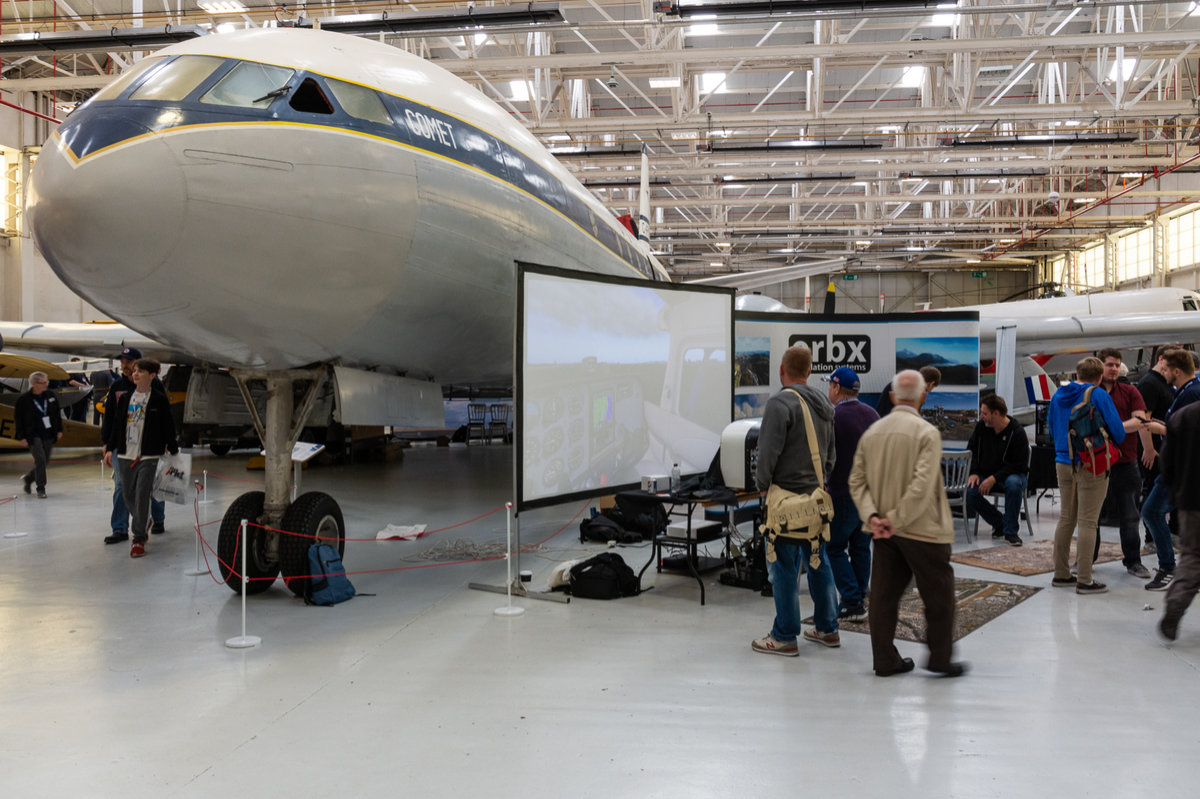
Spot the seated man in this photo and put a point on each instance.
(999, 460)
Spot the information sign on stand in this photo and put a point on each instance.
(302, 452)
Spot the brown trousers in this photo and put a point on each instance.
(896, 561)
(1082, 496)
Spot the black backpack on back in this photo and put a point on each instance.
(604, 576)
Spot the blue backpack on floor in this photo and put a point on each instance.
(328, 584)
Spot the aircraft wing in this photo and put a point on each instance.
(93, 339)
(20, 367)
(1060, 334)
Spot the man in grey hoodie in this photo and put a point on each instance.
(784, 459)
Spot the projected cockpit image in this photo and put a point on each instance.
(620, 381)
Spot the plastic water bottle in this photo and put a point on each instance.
(675, 477)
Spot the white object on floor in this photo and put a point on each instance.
(401, 532)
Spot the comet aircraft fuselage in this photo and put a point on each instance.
(269, 199)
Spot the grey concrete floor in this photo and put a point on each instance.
(116, 681)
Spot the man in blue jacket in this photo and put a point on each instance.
(1082, 492)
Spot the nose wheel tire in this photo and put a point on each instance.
(260, 570)
(313, 517)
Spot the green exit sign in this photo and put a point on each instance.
(849, 277)
(979, 274)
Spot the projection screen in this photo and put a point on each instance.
(616, 379)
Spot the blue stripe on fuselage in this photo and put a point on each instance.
(97, 126)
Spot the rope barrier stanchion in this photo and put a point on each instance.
(105, 485)
(14, 532)
(508, 609)
(243, 641)
(196, 570)
(206, 500)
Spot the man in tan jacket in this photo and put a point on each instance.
(896, 482)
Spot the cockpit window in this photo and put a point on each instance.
(359, 101)
(113, 90)
(1189, 304)
(177, 79)
(249, 85)
(310, 98)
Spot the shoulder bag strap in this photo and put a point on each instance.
(811, 434)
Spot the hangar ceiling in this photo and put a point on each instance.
(814, 134)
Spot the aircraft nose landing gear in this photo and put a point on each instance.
(313, 516)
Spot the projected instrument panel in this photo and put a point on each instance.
(584, 435)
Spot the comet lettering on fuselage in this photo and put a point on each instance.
(433, 129)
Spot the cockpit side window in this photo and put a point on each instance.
(310, 98)
(177, 79)
(1189, 304)
(249, 85)
(359, 101)
(123, 81)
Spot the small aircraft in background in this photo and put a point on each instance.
(19, 368)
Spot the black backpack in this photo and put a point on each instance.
(604, 576)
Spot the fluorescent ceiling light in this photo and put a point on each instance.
(227, 27)
(704, 28)
(710, 81)
(863, 243)
(685, 135)
(1086, 200)
(665, 83)
(972, 260)
(724, 244)
(1126, 65)
(559, 137)
(715, 263)
(222, 6)
(1131, 174)
(913, 76)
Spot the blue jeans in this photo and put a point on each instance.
(784, 573)
(1154, 514)
(849, 551)
(120, 511)
(1010, 522)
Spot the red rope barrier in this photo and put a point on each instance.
(234, 573)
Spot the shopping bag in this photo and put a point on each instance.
(172, 480)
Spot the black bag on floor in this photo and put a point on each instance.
(604, 576)
(603, 529)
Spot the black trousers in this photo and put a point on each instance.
(898, 560)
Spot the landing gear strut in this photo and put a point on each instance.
(313, 515)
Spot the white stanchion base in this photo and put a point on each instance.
(243, 641)
(509, 610)
(15, 535)
(195, 572)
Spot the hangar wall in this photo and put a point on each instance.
(29, 289)
(906, 291)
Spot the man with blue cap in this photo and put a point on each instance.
(849, 548)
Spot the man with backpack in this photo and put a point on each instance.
(1086, 426)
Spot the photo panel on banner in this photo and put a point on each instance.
(876, 346)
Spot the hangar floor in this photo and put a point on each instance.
(117, 683)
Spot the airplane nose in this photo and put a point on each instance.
(109, 219)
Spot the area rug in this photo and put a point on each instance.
(1035, 557)
(976, 603)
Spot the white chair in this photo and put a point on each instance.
(956, 465)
